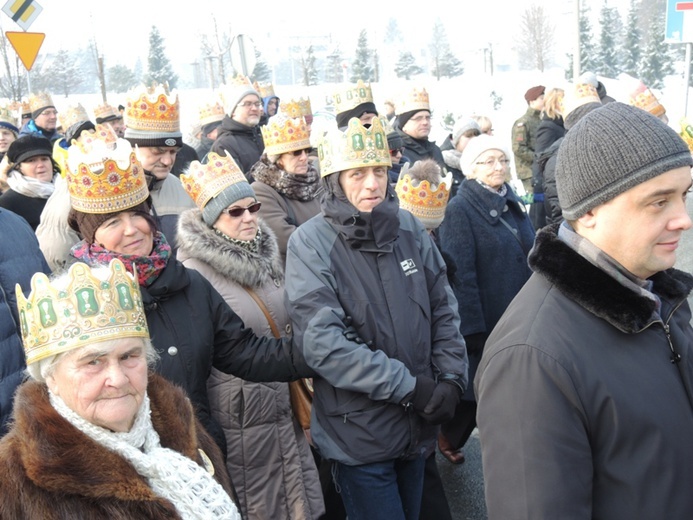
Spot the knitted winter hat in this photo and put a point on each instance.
(86, 224)
(406, 116)
(479, 145)
(461, 126)
(364, 108)
(611, 150)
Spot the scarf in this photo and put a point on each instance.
(294, 186)
(171, 475)
(502, 191)
(148, 268)
(29, 186)
(248, 245)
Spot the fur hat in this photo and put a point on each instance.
(534, 92)
(28, 146)
(479, 145)
(611, 150)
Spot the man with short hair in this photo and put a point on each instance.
(44, 118)
(414, 125)
(524, 135)
(109, 115)
(585, 387)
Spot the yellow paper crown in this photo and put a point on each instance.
(102, 179)
(686, 132)
(7, 116)
(101, 132)
(203, 182)
(106, 111)
(579, 95)
(282, 134)
(642, 97)
(89, 309)
(152, 109)
(356, 147)
(211, 113)
(421, 199)
(413, 100)
(74, 114)
(352, 96)
(264, 89)
(294, 108)
(40, 100)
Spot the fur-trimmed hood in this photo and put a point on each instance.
(197, 240)
(597, 291)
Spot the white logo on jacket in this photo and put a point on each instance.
(409, 267)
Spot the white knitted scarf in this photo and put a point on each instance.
(29, 186)
(171, 475)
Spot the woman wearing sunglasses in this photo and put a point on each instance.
(286, 180)
(269, 458)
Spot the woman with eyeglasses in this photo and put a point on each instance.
(226, 241)
(286, 180)
(487, 234)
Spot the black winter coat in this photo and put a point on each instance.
(417, 149)
(546, 166)
(243, 142)
(29, 208)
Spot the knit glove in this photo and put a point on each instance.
(441, 406)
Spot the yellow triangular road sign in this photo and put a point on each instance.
(26, 45)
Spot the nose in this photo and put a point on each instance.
(682, 220)
(168, 158)
(115, 375)
(129, 225)
(371, 183)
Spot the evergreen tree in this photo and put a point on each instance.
(333, 68)
(406, 66)
(657, 62)
(631, 42)
(445, 64)
(588, 60)
(392, 33)
(158, 64)
(121, 78)
(262, 72)
(362, 67)
(607, 56)
(62, 76)
(308, 70)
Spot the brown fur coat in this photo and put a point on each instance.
(52, 471)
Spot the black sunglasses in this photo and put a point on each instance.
(297, 153)
(237, 212)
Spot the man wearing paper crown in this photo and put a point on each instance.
(381, 391)
(44, 118)
(413, 123)
(192, 327)
(95, 434)
(109, 115)
(354, 101)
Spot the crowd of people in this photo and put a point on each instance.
(262, 323)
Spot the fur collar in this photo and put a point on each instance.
(197, 240)
(598, 292)
(293, 186)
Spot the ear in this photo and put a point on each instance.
(52, 385)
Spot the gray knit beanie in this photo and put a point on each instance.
(230, 194)
(611, 150)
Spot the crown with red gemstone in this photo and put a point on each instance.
(101, 132)
(106, 112)
(103, 178)
(203, 182)
(581, 94)
(413, 100)
(355, 147)
(423, 199)
(351, 96)
(294, 108)
(152, 109)
(283, 134)
(74, 114)
(211, 113)
(264, 89)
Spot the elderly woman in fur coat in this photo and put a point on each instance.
(269, 458)
(95, 433)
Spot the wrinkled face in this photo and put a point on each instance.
(48, 119)
(491, 168)
(127, 233)
(242, 227)
(419, 125)
(641, 228)
(295, 162)
(104, 385)
(39, 167)
(7, 137)
(118, 126)
(157, 160)
(365, 188)
(248, 110)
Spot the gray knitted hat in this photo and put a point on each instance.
(230, 194)
(611, 150)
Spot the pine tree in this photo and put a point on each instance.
(587, 47)
(657, 61)
(262, 72)
(631, 41)
(62, 76)
(158, 64)
(362, 67)
(308, 70)
(607, 56)
(406, 66)
(121, 78)
(445, 64)
(333, 68)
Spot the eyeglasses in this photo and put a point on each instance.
(237, 212)
(49, 113)
(298, 153)
(491, 162)
(248, 104)
(397, 151)
(418, 119)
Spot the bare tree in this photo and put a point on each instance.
(535, 40)
(13, 83)
(215, 46)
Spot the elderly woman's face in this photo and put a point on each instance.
(491, 168)
(295, 162)
(39, 167)
(104, 385)
(127, 233)
(243, 226)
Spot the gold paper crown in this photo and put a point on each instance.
(294, 108)
(211, 113)
(642, 97)
(74, 114)
(239, 80)
(264, 89)
(40, 100)
(356, 147)
(103, 180)
(686, 132)
(282, 134)
(6, 116)
(152, 109)
(105, 111)
(89, 309)
(352, 96)
(203, 182)
(579, 95)
(421, 200)
(413, 100)
(101, 132)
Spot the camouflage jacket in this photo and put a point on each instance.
(524, 137)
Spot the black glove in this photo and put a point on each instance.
(422, 393)
(441, 407)
(475, 342)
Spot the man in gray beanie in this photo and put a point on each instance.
(585, 387)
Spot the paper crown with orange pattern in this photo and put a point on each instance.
(577, 96)
(106, 112)
(412, 100)
(294, 108)
(355, 147)
(283, 134)
(211, 113)
(234, 91)
(264, 89)
(8, 120)
(215, 185)
(350, 96)
(104, 176)
(91, 305)
(423, 191)
(74, 114)
(152, 117)
(643, 97)
(39, 102)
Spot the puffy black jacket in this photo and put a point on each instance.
(243, 142)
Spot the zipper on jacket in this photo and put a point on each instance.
(675, 356)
